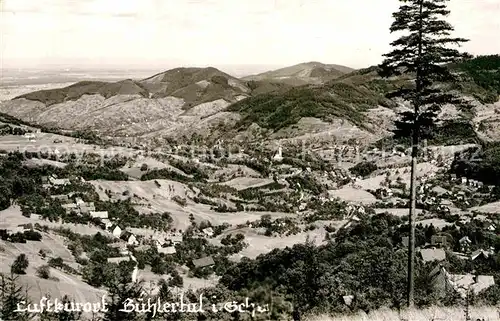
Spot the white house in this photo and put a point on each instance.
(465, 240)
(167, 250)
(208, 231)
(117, 231)
(87, 208)
(59, 182)
(70, 207)
(30, 136)
(175, 239)
(101, 215)
(132, 240)
(355, 218)
(117, 260)
(160, 241)
(278, 156)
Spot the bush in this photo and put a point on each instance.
(363, 169)
(17, 238)
(43, 272)
(20, 264)
(179, 200)
(32, 235)
(144, 167)
(56, 262)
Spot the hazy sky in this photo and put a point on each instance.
(218, 32)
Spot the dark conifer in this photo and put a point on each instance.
(424, 52)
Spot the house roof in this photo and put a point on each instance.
(465, 239)
(60, 181)
(429, 255)
(118, 259)
(175, 238)
(103, 214)
(168, 250)
(204, 261)
(143, 247)
(62, 196)
(478, 253)
(70, 205)
(125, 235)
(208, 230)
(348, 299)
(463, 282)
(440, 190)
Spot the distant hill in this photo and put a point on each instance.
(207, 102)
(195, 85)
(74, 92)
(304, 73)
(332, 100)
(174, 101)
(355, 95)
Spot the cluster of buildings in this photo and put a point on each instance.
(20, 228)
(441, 279)
(463, 284)
(53, 180)
(31, 137)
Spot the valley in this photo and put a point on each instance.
(149, 176)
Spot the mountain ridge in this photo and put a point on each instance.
(312, 72)
(187, 101)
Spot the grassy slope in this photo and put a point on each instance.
(302, 74)
(481, 78)
(349, 95)
(77, 90)
(342, 99)
(181, 83)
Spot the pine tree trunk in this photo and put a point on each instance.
(412, 219)
(413, 178)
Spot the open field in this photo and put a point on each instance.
(44, 143)
(488, 208)
(350, 194)
(258, 243)
(160, 199)
(12, 217)
(241, 183)
(60, 283)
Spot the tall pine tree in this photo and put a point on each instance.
(12, 294)
(424, 51)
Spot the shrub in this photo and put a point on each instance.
(363, 169)
(179, 200)
(20, 264)
(32, 235)
(42, 253)
(17, 238)
(43, 272)
(56, 262)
